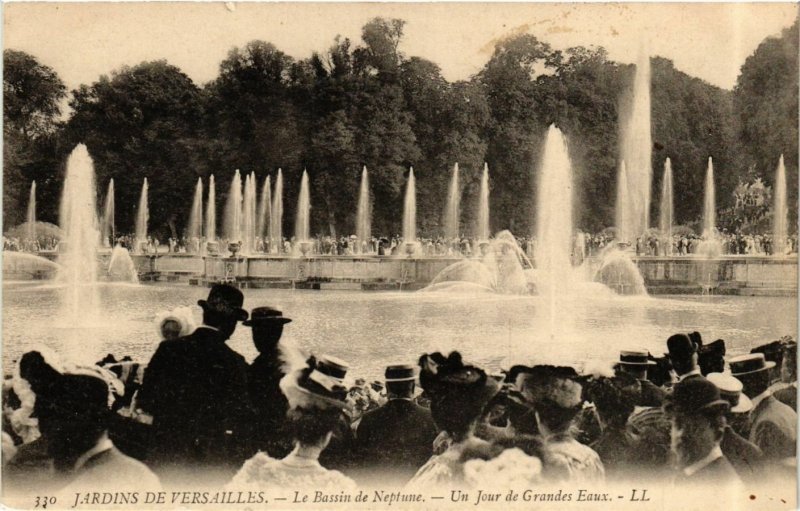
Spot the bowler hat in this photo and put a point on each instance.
(680, 346)
(751, 363)
(730, 389)
(696, 395)
(266, 315)
(400, 372)
(226, 300)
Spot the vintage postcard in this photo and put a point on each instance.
(343, 256)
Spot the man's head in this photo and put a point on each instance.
(635, 363)
(267, 327)
(753, 371)
(400, 380)
(170, 329)
(223, 308)
(682, 353)
(697, 413)
(730, 389)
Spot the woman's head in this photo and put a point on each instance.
(458, 392)
(170, 329)
(312, 426)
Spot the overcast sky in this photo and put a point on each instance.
(83, 41)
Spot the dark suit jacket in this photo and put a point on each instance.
(787, 396)
(773, 428)
(270, 405)
(652, 395)
(399, 434)
(195, 388)
(745, 456)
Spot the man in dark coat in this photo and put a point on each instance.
(684, 357)
(773, 425)
(697, 413)
(635, 362)
(263, 378)
(195, 387)
(399, 435)
(745, 456)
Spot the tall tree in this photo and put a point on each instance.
(32, 96)
(142, 122)
(766, 107)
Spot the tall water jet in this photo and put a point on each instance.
(78, 247)
(249, 215)
(452, 207)
(211, 211)
(553, 222)
(142, 217)
(31, 216)
(623, 204)
(276, 222)
(109, 231)
(709, 206)
(364, 213)
(636, 146)
(301, 225)
(666, 216)
(780, 213)
(554, 212)
(194, 230)
(410, 210)
(233, 210)
(264, 209)
(483, 206)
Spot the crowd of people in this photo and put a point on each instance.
(199, 414)
(584, 245)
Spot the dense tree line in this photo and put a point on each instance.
(366, 103)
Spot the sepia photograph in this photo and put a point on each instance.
(406, 256)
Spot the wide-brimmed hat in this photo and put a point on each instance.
(695, 395)
(226, 300)
(750, 363)
(400, 372)
(448, 379)
(635, 357)
(266, 315)
(680, 346)
(307, 387)
(557, 384)
(730, 389)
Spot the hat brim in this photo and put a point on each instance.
(642, 364)
(769, 364)
(239, 313)
(281, 320)
(408, 378)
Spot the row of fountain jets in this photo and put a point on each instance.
(247, 219)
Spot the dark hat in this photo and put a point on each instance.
(696, 338)
(376, 385)
(696, 395)
(747, 364)
(400, 372)
(558, 384)
(635, 357)
(681, 346)
(226, 300)
(716, 348)
(333, 367)
(266, 315)
(448, 379)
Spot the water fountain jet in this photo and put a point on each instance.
(31, 216)
(483, 206)
(363, 214)
(109, 232)
(666, 216)
(780, 212)
(276, 221)
(452, 208)
(142, 217)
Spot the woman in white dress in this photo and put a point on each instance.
(316, 399)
